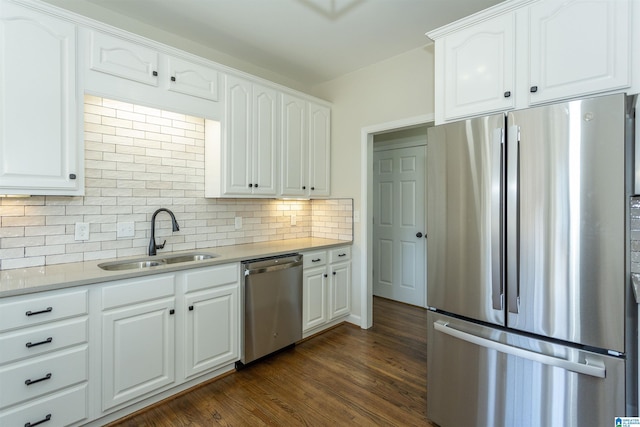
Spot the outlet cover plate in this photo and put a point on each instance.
(82, 231)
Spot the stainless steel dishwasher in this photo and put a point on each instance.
(272, 305)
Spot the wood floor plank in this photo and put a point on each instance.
(345, 376)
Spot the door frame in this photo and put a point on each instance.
(366, 189)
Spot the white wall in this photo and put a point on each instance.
(393, 90)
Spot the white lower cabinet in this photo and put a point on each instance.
(326, 292)
(44, 358)
(212, 323)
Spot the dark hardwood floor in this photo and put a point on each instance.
(346, 376)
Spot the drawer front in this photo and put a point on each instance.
(314, 259)
(60, 409)
(214, 276)
(340, 254)
(127, 292)
(36, 309)
(24, 381)
(38, 340)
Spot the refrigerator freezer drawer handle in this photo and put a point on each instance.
(581, 368)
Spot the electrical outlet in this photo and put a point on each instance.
(82, 231)
(238, 222)
(125, 229)
(293, 219)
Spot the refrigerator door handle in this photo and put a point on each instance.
(497, 232)
(513, 218)
(591, 368)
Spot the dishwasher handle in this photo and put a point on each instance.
(270, 268)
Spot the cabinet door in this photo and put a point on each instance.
(212, 329)
(319, 150)
(237, 137)
(265, 134)
(39, 151)
(314, 298)
(478, 72)
(340, 290)
(137, 351)
(119, 57)
(192, 79)
(578, 47)
(295, 160)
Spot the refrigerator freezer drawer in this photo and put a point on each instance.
(480, 376)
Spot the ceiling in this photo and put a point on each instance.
(309, 41)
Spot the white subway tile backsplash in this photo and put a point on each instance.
(138, 159)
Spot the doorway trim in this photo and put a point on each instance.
(366, 189)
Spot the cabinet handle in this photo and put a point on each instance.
(172, 311)
(44, 420)
(33, 313)
(46, 377)
(316, 260)
(155, 74)
(507, 94)
(533, 89)
(72, 176)
(47, 341)
(190, 308)
(341, 255)
(173, 78)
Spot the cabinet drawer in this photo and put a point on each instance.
(42, 339)
(340, 254)
(214, 276)
(314, 259)
(45, 307)
(126, 292)
(60, 409)
(23, 381)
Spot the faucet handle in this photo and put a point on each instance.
(161, 246)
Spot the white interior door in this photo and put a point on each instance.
(399, 223)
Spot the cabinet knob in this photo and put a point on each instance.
(190, 308)
(72, 176)
(533, 89)
(334, 273)
(173, 78)
(326, 275)
(255, 185)
(172, 311)
(155, 74)
(313, 188)
(250, 185)
(507, 94)
(418, 234)
(304, 187)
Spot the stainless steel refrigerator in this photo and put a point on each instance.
(532, 320)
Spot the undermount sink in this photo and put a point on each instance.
(137, 264)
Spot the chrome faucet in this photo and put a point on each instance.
(152, 242)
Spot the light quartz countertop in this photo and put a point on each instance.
(38, 279)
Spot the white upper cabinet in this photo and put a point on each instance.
(525, 52)
(476, 67)
(578, 47)
(40, 145)
(305, 148)
(122, 58)
(246, 156)
(192, 79)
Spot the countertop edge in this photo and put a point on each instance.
(62, 276)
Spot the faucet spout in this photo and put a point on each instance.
(152, 242)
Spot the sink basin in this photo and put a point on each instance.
(174, 259)
(137, 264)
(130, 264)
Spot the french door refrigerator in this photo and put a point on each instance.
(532, 320)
